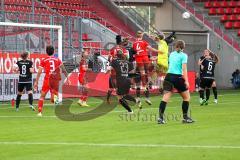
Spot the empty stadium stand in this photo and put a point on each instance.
(221, 16)
(23, 11)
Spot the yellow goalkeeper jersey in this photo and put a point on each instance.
(163, 57)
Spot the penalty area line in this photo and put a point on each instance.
(122, 145)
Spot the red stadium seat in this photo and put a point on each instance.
(236, 10)
(228, 25)
(232, 4)
(239, 33)
(212, 11)
(220, 11)
(224, 4)
(229, 11)
(236, 25)
(224, 18)
(208, 5)
(216, 4)
(233, 17)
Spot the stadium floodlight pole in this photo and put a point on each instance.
(60, 41)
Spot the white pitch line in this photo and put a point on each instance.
(146, 109)
(122, 145)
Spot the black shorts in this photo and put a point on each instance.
(112, 82)
(206, 83)
(22, 86)
(123, 86)
(172, 81)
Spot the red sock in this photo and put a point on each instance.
(81, 98)
(40, 105)
(85, 98)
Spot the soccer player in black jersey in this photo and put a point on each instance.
(207, 66)
(123, 83)
(25, 69)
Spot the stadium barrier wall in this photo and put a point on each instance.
(9, 79)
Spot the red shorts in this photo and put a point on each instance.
(141, 60)
(50, 85)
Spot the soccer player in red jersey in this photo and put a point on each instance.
(141, 48)
(52, 67)
(83, 67)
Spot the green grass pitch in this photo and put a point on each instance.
(214, 136)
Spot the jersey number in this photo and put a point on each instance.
(124, 67)
(210, 66)
(138, 47)
(52, 66)
(24, 69)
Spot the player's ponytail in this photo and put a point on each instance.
(179, 46)
(215, 58)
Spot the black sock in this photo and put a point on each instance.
(138, 92)
(185, 106)
(146, 92)
(162, 107)
(30, 99)
(201, 93)
(124, 103)
(109, 94)
(207, 94)
(130, 98)
(215, 92)
(18, 100)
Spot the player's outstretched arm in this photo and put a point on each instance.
(40, 69)
(152, 49)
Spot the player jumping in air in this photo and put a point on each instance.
(123, 83)
(25, 68)
(207, 67)
(83, 67)
(51, 66)
(176, 78)
(112, 56)
(141, 48)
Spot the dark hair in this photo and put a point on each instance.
(161, 36)
(50, 50)
(24, 55)
(180, 45)
(118, 39)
